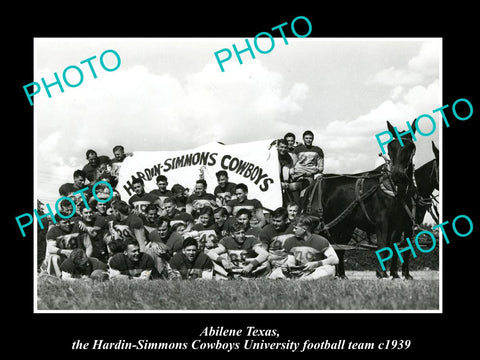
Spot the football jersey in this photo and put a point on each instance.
(207, 237)
(201, 201)
(306, 251)
(238, 253)
(125, 266)
(307, 158)
(161, 195)
(90, 171)
(180, 216)
(174, 240)
(100, 250)
(148, 225)
(140, 202)
(250, 204)
(189, 270)
(92, 265)
(121, 229)
(226, 194)
(65, 240)
(275, 240)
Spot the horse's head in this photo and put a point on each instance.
(401, 158)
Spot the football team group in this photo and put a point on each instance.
(172, 233)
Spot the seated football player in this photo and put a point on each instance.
(150, 219)
(95, 226)
(132, 263)
(141, 199)
(238, 255)
(178, 192)
(179, 227)
(292, 209)
(310, 256)
(162, 193)
(200, 198)
(171, 211)
(225, 190)
(220, 216)
(244, 216)
(123, 224)
(273, 237)
(62, 238)
(242, 202)
(67, 189)
(93, 163)
(79, 265)
(204, 219)
(204, 230)
(164, 235)
(100, 208)
(191, 263)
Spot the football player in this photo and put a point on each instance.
(200, 198)
(242, 202)
(125, 224)
(245, 256)
(225, 190)
(162, 193)
(310, 256)
(141, 199)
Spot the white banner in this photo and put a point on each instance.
(252, 163)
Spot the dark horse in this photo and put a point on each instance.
(427, 180)
(371, 201)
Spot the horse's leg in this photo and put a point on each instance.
(406, 260)
(381, 233)
(341, 264)
(406, 268)
(342, 238)
(395, 238)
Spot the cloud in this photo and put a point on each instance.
(146, 111)
(427, 60)
(143, 108)
(393, 77)
(353, 144)
(420, 69)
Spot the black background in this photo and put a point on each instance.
(431, 334)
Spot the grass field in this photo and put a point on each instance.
(361, 292)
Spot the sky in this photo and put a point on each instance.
(170, 94)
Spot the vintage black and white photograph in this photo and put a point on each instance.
(197, 174)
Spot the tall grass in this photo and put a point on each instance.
(261, 294)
